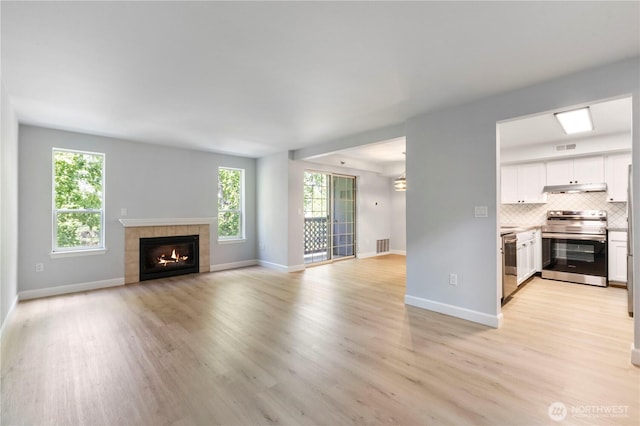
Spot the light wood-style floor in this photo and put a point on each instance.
(332, 345)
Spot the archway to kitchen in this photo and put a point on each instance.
(562, 201)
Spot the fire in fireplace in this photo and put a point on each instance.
(168, 256)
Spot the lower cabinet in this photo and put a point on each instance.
(526, 255)
(617, 248)
(521, 260)
(537, 250)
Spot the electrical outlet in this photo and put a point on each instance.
(453, 279)
(39, 267)
(123, 212)
(261, 246)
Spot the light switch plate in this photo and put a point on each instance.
(481, 211)
(453, 279)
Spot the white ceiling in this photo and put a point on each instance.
(609, 117)
(384, 152)
(253, 78)
(386, 158)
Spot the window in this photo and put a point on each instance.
(78, 200)
(230, 204)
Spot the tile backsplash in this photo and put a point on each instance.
(536, 214)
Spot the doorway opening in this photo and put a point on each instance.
(548, 175)
(329, 217)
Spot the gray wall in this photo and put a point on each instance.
(373, 220)
(398, 241)
(295, 224)
(273, 212)
(8, 207)
(149, 181)
(452, 166)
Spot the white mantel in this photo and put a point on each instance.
(127, 223)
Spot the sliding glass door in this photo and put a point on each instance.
(316, 217)
(329, 217)
(344, 216)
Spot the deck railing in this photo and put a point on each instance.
(315, 234)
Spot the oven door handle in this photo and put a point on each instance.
(585, 237)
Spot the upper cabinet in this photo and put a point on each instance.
(588, 170)
(616, 176)
(523, 183)
(576, 170)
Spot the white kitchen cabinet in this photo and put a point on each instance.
(523, 260)
(537, 251)
(617, 248)
(520, 262)
(523, 183)
(525, 255)
(509, 185)
(616, 170)
(576, 170)
(588, 170)
(531, 258)
(559, 172)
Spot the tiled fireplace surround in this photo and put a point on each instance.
(132, 235)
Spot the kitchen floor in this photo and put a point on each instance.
(560, 300)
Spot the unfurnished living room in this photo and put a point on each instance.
(302, 213)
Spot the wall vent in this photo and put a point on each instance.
(566, 147)
(382, 246)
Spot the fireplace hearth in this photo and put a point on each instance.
(168, 256)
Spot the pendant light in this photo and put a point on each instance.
(400, 183)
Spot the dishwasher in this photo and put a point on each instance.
(509, 266)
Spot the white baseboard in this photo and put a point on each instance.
(71, 288)
(296, 268)
(494, 321)
(372, 254)
(271, 265)
(635, 355)
(281, 268)
(233, 265)
(400, 252)
(8, 317)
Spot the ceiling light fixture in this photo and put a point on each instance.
(575, 121)
(400, 183)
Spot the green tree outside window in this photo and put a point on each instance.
(78, 200)
(316, 194)
(230, 194)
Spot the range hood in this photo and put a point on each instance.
(576, 187)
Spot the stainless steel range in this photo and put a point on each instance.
(574, 246)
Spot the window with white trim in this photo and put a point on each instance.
(230, 204)
(78, 200)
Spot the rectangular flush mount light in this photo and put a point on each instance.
(575, 121)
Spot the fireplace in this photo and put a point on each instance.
(168, 256)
